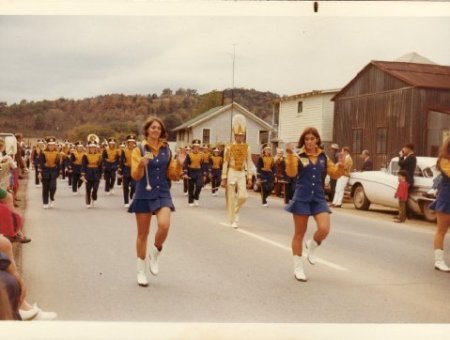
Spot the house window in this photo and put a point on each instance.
(357, 141)
(300, 107)
(263, 137)
(381, 140)
(206, 134)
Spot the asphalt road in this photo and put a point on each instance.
(82, 264)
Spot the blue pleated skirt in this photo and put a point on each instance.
(441, 205)
(150, 205)
(307, 208)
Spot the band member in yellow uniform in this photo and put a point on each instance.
(186, 150)
(152, 167)
(289, 167)
(110, 163)
(91, 171)
(75, 165)
(120, 178)
(128, 183)
(206, 166)
(265, 174)
(49, 168)
(193, 171)
(216, 171)
(237, 170)
(64, 159)
(35, 155)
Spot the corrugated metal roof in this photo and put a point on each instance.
(420, 75)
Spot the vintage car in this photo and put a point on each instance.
(379, 187)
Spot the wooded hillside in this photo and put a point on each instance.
(118, 115)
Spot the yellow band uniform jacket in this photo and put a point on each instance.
(237, 161)
(76, 161)
(92, 166)
(110, 157)
(49, 164)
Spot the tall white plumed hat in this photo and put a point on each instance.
(239, 124)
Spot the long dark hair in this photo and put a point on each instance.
(444, 152)
(306, 131)
(149, 122)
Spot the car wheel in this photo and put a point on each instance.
(360, 200)
(429, 214)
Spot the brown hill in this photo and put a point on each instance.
(118, 115)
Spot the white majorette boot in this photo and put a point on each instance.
(298, 269)
(439, 262)
(141, 273)
(311, 245)
(153, 256)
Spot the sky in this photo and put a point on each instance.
(75, 57)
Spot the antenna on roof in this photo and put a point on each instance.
(232, 94)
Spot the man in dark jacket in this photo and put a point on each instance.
(367, 161)
(407, 161)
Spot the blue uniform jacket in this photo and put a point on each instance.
(309, 186)
(157, 175)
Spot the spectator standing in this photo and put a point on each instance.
(367, 161)
(407, 161)
(402, 195)
(343, 180)
(335, 158)
(442, 207)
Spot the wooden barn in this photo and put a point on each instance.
(389, 104)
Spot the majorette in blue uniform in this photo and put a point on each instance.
(442, 206)
(216, 171)
(309, 196)
(193, 170)
(110, 158)
(49, 168)
(153, 188)
(91, 171)
(128, 183)
(75, 166)
(265, 173)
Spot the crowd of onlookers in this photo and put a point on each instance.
(13, 167)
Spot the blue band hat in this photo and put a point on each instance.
(196, 142)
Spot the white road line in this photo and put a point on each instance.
(278, 245)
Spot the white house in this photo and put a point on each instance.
(302, 110)
(214, 126)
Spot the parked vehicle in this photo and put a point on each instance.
(379, 187)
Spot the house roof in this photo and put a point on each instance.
(414, 57)
(218, 110)
(419, 75)
(308, 94)
(430, 76)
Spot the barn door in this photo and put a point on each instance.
(438, 129)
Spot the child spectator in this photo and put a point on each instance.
(402, 195)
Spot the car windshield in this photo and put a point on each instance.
(428, 172)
